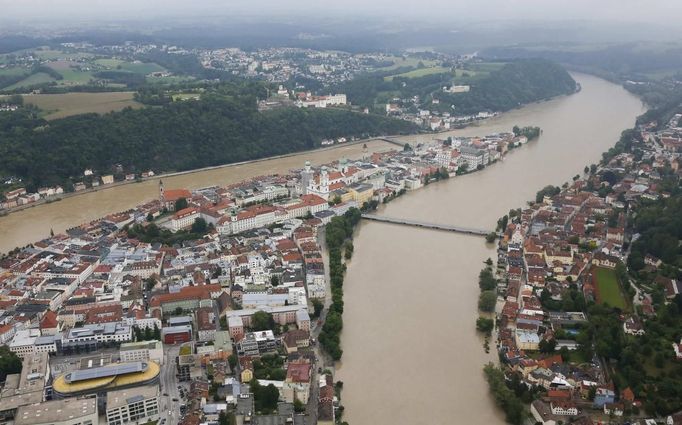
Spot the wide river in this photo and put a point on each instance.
(411, 353)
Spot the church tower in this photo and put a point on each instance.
(306, 178)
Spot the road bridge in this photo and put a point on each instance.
(427, 225)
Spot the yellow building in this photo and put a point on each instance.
(247, 375)
(361, 193)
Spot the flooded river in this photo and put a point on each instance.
(411, 352)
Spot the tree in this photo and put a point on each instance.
(547, 346)
(407, 147)
(181, 204)
(586, 169)
(178, 311)
(485, 325)
(504, 396)
(487, 301)
(261, 321)
(199, 226)
(232, 361)
(317, 307)
(149, 283)
(266, 398)
(486, 280)
(274, 280)
(10, 363)
(490, 237)
(299, 407)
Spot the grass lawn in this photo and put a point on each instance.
(609, 289)
(173, 79)
(48, 54)
(38, 78)
(109, 63)
(420, 72)
(186, 96)
(576, 356)
(67, 104)
(15, 70)
(72, 75)
(141, 68)
(75, 77)
(399, 62)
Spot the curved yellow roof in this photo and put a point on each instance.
(61, 385)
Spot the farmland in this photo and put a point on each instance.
(75, 69)
(420, 72)
(34, 79)
(402, 62)
(608, 288)
(67, 104)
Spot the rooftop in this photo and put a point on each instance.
(120, 398)
(56, 411)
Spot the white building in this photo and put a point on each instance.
(134, 406)
(184, 219)
(474, 157)
(142, 351)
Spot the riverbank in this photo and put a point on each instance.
(161, 176)
(31, 224)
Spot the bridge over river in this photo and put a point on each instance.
(426, 225)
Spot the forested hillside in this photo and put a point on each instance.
(507, 87)
(517, 83)
(180, 136)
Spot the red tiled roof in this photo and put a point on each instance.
(49, 320)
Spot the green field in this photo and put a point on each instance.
(420, 72)
(39, 78)
(16, 70)
(609, 289)
(72, 75)
(66, 104)
(141, 68)
(134, 67)
(186, 96)
(173, 79)
(109, 63)
(49, 54)
(400, 62)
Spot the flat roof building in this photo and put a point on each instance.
(69, 411)
(27, 387)
(142, 351)
(133, 406)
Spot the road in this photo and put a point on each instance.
(169, 385)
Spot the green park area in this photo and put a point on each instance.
(609, 288)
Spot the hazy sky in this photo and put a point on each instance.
(664, 11)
